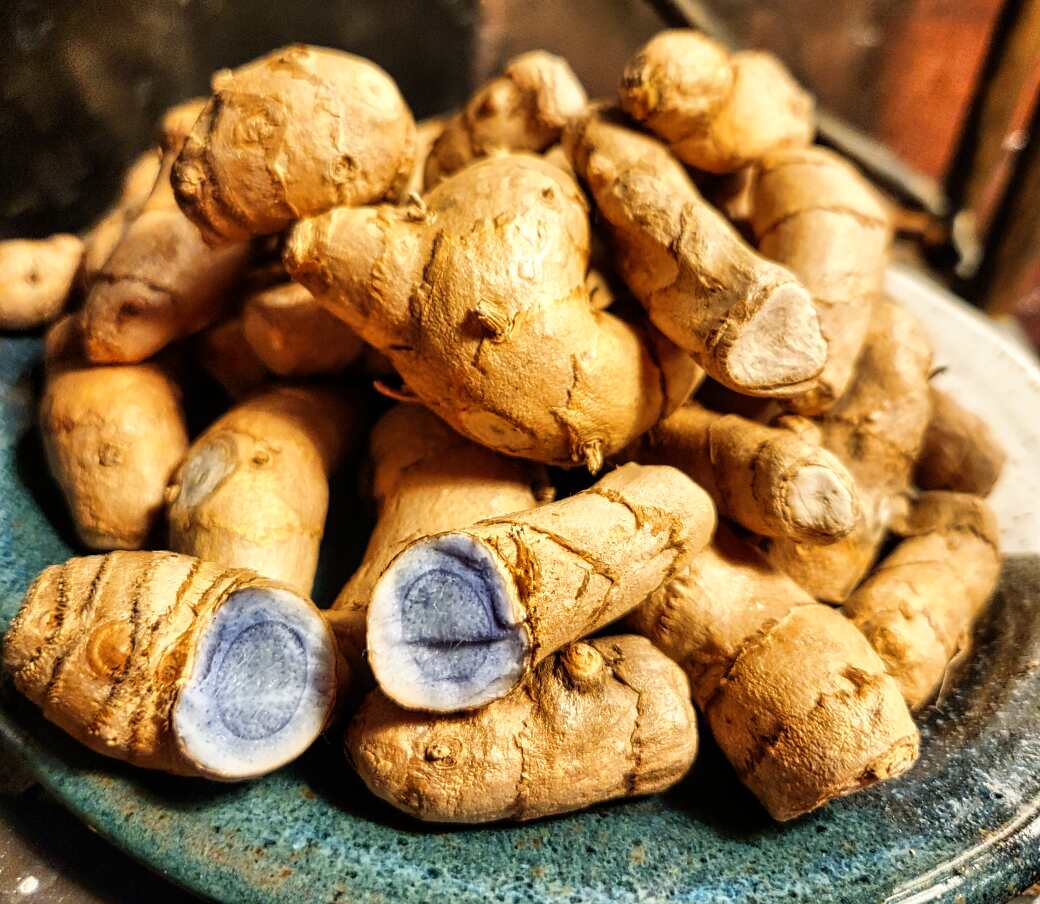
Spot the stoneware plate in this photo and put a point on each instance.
(963, 826)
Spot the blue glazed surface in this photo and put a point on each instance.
(961, 827)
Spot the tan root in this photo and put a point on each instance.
(425, 479)
(161, 281)
(960, 452)
(769, 480)
(163, 661)
(36, 277)
(479, 301)
(876, 431)
(716, 110)
(458, 618)
(290, 135)
(795, 696)
(113, 437)
(106, 233)
(748, 322)
(920, 604)
(253, 491)
(813, 212)
(294, 335)
(602, 719)
(524, 109)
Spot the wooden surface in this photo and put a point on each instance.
(1012, 275)
(902, 71)
(929, 66)
(1005, 107)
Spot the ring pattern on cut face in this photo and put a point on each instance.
(267, 648)
(448, 623)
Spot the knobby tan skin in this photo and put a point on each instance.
(767, 479)
(795, 696)
(223, 352)
(253, 491)
(960, 452)
(814, 213)
(139, 182)
(161, 282)
(523, 109)
(831, 572)
(748, 322)
(565, 569)
(113, 437)
(478, 298)
(69, 648)
(105, 234)
(294, 335)
(289, 135)
(602, 719)
(105, 644)
(876, 431)
(716, 110)
(427, 132)
(36, 277)
(878, 427)
(919, 606)
(426, 479)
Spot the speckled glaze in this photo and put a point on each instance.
(963, 826)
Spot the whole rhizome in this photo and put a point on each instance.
(677, 295)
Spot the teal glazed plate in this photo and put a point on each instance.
(963, 826)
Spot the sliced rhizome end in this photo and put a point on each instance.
(443, 633)
(261, 686)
